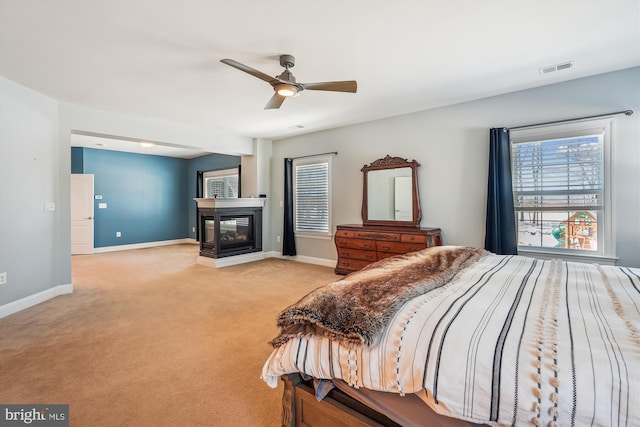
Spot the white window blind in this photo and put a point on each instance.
(559, 192)
(559, 175)
(312, 197)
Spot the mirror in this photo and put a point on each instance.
(390, 193)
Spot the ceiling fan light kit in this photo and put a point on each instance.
(286, 89)
(285, 84)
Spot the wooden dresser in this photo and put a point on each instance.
(360, 245)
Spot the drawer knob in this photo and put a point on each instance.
(385, 247)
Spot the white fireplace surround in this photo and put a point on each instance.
(244, 202)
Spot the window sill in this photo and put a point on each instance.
(320, 236)
(597, 259)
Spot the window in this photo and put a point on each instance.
(312, 199)
(221, 183)
(560, 189)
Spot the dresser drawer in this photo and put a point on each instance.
(413, 238)
(345, 233)
(399, 248)
(357, 254)
(351, 264)
(377, 235)
(343, 242)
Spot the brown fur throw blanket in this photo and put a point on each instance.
(356, 309)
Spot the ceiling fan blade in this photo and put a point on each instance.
(249, 70)
(343, 86)
(275, 102)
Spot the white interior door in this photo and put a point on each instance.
(81, 214)
(403, 198)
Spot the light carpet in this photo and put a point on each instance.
(151, 338)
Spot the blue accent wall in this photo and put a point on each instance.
(149, 198)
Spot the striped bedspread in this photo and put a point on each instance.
(509, 340)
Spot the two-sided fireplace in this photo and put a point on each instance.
(230, 231)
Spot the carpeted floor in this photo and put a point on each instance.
(150, 338)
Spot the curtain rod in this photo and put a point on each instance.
(625, 112)
(313, 155)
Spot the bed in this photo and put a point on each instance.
(463, 336)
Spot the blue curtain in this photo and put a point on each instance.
(500, 234)
(199, 187)
(288, 238)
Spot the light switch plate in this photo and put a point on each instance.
(102, 206)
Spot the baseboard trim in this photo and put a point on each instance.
(232, 260)
(143, 245)
(302, 258)
(31, 300)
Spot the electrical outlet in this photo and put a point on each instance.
(3, 278)
(118, 234)
(278, 239)
(193, 229)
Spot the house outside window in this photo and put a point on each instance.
(221, 183)
(312, 183)
(561, 188)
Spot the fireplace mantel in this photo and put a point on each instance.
(244, 202)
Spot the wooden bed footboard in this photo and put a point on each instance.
(301, 408)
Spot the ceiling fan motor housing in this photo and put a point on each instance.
(287, 61)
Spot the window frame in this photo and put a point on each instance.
(325, 235)
(220, 173)
(606, 236)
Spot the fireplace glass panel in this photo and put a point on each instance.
(236, 231)
(209, 231)
(229, 232)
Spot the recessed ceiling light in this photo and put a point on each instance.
(146, 144)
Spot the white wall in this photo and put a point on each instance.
(255, 180)
(28, 178)
(451, 144)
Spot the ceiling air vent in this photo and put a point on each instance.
(557, 67)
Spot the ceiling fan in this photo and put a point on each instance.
(285, 84)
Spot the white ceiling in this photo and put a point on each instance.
(161, 59)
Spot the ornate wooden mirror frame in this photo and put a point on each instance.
(381, 175)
